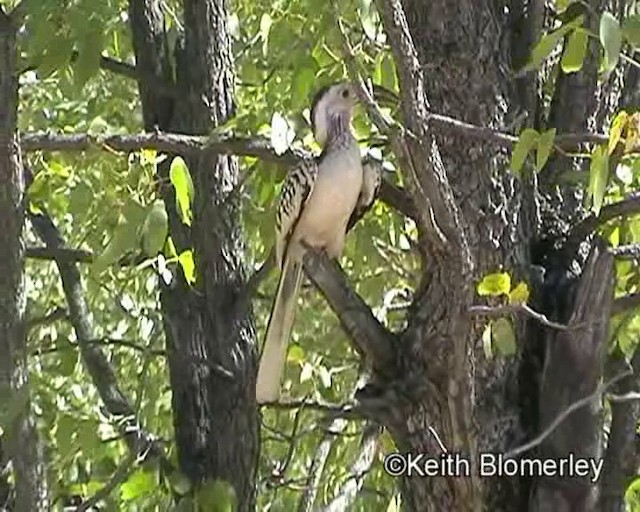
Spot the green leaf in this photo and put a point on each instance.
(631, 30)
(545, 144)
(155, 229)
(125, 237)
(65, 433)
(526, 141)
(494, 285)
(617, 127)
(574, 52)
(611, 39)
(140, 483)
(216, 496)
(80, 199)
(296, 354)
(504, 338)
(56, 55)
(389, 74)
(183, 185)
(188, 266)
(520, 294)
(598, 177)
(549, 41)
(179, 483)
(87, 63)
(303, 84)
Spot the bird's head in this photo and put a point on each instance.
(331, 111)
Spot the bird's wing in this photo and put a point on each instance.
(295, 193)
(372, 179)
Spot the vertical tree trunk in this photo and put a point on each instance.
(211, 346)
(19, 442)
(467, 49)
(463, 48)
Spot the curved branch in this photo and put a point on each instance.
(588, 225)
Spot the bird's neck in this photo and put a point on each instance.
(338, 132)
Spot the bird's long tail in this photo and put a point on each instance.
(274, 353)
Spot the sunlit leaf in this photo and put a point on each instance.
(188, 266)
(574, 52)
(183, 185)
(617, 127)
(140, 483)
(494, 285)
(520, 294)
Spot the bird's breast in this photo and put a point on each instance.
(334, 197)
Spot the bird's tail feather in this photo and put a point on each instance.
(279, 329)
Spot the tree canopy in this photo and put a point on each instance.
(115, 202)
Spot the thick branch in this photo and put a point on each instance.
(585, 227)
(257, 147)
(625, 303)
(59, 254)
(368, 335)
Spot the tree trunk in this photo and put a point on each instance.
(19, 442)
(442, 382)
(211, 345)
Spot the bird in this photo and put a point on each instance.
(321, 198)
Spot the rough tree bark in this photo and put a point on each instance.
(211, 350)
(20, 444)
(438, 376)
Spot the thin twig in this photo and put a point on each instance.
(57, 314)
(578, 404)
(334, 410)
(631, 251)
(482, 310)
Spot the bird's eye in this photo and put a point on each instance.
(345, 93)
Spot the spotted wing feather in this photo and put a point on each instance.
(295, 193)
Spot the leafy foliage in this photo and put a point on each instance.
(107, 203)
